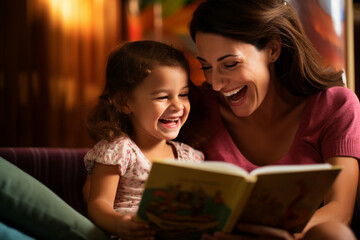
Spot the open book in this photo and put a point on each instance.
(184, 200)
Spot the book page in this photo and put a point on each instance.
(212, 166)
(287, 200)
(290, 168)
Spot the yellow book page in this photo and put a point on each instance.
(179, 199)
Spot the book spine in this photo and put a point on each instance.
(243, 198)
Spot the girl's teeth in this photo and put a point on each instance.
(170, 119)
(228, 94)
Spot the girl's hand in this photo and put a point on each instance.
(131, 229)
(250, 232)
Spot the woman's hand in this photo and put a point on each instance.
(250, 232)
(131, 229)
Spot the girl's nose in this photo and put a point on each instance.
(177, 105)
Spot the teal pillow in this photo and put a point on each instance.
(31, 207)
(9, 233)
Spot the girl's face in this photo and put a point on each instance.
(159, 106)
(236, 69)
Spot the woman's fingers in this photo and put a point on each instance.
(251, 232)
(229, 236)
(139, 235)
(264, 231)
(207, 236)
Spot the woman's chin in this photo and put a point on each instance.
(240, 111)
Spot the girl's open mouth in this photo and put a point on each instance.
(170, 122)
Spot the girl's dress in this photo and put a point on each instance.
(133, 167)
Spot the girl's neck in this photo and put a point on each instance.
(154, 148)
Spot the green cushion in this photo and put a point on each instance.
(31, 207)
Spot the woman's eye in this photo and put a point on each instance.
(229, 65)
(204, 68)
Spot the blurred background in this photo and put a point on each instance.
(53, 55)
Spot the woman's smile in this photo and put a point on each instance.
(236, 96)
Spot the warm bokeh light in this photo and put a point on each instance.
(56, 51)
(69, 14)
(55, 68)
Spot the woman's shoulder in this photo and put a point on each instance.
(338, 95)
(333, 107)
(334, 99)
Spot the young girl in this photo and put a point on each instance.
(142, 108)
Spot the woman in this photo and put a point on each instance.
(269, 100)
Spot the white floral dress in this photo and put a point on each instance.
(133, 167)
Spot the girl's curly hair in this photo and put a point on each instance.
(127, 66)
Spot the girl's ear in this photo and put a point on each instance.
(274, 47)
(122, 106)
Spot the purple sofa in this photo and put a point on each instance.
(60, 169)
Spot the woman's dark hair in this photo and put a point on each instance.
(298, 67)
(126, 68)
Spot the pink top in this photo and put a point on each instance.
(330, 126)
(133, 166)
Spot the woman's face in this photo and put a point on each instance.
(238, 70)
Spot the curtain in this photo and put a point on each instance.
(53, 56)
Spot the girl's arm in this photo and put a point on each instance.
(103, 187)
(86, 188)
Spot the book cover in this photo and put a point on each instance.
(184, 200)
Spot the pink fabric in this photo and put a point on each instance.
(134, 167)
(330, 127)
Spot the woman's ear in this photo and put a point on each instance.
(274, 47)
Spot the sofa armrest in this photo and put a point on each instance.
(60, 169)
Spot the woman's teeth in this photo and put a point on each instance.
(233, 92)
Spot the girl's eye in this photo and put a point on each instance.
(184, 95)
(162, 97)
(229, 65)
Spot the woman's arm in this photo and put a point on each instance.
(103, 187)
(340, 200)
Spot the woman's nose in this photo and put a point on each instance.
(218, 81)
